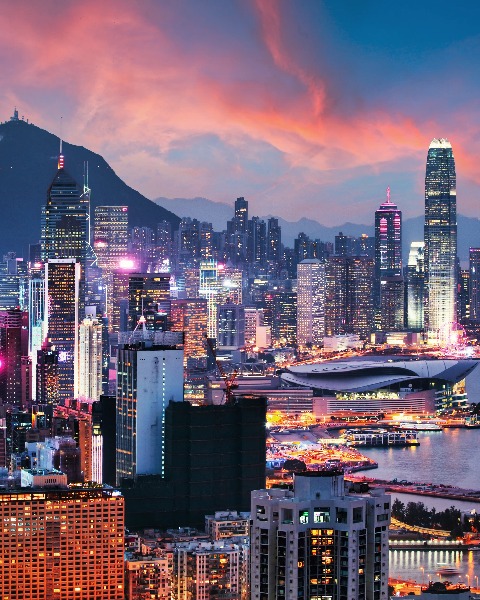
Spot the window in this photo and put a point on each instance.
(321, 514)
(303, 517)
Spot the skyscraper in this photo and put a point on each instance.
(440, 240)
(475, 284)
(65, 222)
(148, 378)
(90, 358)
(415, 286)
(318, 541)
(388, 282)
(62, 279)
(310, 302)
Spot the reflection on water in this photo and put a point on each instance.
(423, 566)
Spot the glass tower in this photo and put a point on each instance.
(440, 241)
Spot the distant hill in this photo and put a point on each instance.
(28, 163)
(218, 213)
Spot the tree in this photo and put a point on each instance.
(294, 465)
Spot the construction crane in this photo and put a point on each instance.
(230, 380)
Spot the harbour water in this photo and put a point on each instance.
(450, 457)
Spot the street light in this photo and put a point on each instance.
(423, 575)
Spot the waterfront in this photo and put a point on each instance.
(450, 457)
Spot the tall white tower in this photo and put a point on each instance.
(90, 359)
(310, 303)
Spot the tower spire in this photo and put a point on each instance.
(388, 195)
(61, 158)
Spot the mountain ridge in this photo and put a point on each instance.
(28, 164)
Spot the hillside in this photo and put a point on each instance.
(28, 163)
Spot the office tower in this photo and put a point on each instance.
(189, 243)
(415, 286)
(348, 295)
(62, 282)
(36, 318)
(475, 284)
(141, 246)
(210, 288)
(164, 242)
(440, 241)
(90, 358)
(241, 215)
(190, 316)
(284, 318)
(62, 543)
(274, 241)
(148, 296)
(343, 244)
(463, 295)
(110, 236)
(47, 390)
(12, 348)
(318, 541)
(254, 318)
(214, 457)
(104, 429)
(364, 246)
(257, 242)
(118, 318)
(13, 282)
(27, 379)
(231, 326)
(206, 241)
(310, 303)
(237, 233)
(392, 304)
(148, 378)
(388, 244)
(65, 223)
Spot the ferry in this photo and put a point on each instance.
(443, 569)
(419, 426)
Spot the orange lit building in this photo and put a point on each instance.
(60, 544)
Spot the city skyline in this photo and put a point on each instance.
(304, 106)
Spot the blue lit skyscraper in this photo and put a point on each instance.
(440, 240)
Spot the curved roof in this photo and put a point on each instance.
(369, 375)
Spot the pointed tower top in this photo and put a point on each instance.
(61, 158)
(388, 195)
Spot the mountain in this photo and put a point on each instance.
(28, 164)
(218, 213)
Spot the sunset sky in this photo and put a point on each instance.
(305, 108)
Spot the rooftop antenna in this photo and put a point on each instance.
(388, 195)
(61, 158)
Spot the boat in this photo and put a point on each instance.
(447, 570)
(419, 426)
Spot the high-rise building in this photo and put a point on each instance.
(274, 241)
(110, 242)
(318, 541)
(257, 242)
(36, 319)
(149, 296)
(348, 295)
(11, 351)
(388, 244)
(388, 292)
(214, 457)
(463, 295)
(190, 316)
(415, 286)
(475, 284)
(46, 375)
(90, 358)
(231, 326)
(148, 378)
(65, 223)
(440, 241)
(62, 543)
(310, 303)
(62, 283)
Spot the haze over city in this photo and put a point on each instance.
(296, 106)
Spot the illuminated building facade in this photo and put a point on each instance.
(190, 315)
(65, 223)
(231, 326)
(149, 577)
(90, 359)
(440, 241)
(415, 286)
(310, 303)
(110, 241)
(61, 544)
(46, 375)
(36, 318)
(148, 378)
(388, 258)
(148, 296)
(12, 348)
(475, 284)
(274, 241)
(62, 278)
(348, 295)
(317, 541)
